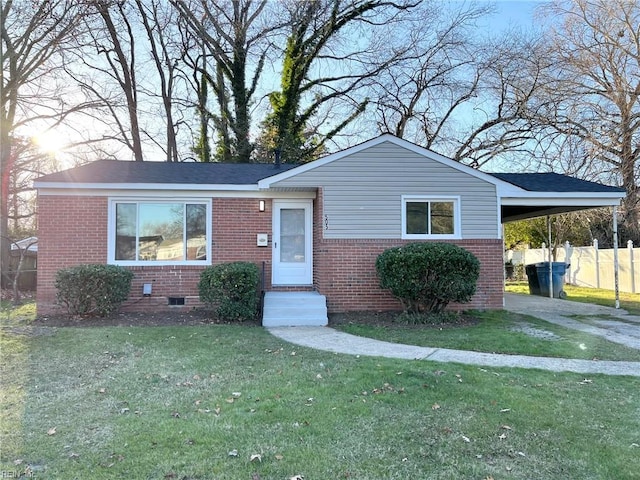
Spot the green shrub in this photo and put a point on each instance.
(93, 289)
(425, 277)
(233, 288)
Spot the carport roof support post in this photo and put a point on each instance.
(616, 266)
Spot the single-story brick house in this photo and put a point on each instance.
(315, 228)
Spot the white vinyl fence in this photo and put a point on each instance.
(589, 266)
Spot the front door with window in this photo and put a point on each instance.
(292, 246)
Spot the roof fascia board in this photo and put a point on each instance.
(538, 194)
(174, 193)
(501, 184)
(144, 186)
(570, 200)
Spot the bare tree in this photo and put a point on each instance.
(501, 126)
(110, 73)
(318, 41)
(435, 75)
(455, 93)
(33, 35)
(235, 35)
(195, 71)
(22, 250)
(160, 20)
(21, 208)
(592, 88)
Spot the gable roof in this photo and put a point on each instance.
(116, 172)
(388, 138)
(164, 173)
(554, 182)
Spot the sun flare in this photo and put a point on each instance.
(49, 142)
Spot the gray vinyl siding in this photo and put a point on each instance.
(363, 192)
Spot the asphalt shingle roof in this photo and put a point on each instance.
(554, 182)
(196, 173)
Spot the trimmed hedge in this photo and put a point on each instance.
(426, 277)
(233, 288)
(93, 289)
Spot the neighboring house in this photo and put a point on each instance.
(27, 248)
(316, 227)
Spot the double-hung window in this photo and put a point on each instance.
(426, 217)
(159, 232)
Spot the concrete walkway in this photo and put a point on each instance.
(555, 311)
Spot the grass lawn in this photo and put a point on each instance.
(199, 402)
(599, 296)
(502, 332)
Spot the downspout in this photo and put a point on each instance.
(501, 236)
(616, 266)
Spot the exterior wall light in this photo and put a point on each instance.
(261, 205)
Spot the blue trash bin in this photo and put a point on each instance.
(558, 271)
(532, 278)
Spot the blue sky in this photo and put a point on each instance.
(514, 13)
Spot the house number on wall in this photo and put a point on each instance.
(326, 222)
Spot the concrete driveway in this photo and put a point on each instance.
(613, 324)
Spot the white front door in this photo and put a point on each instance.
(292, 245)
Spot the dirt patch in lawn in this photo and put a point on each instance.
(388, 319)
(136, 319)
(204, 317)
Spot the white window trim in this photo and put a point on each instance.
(457, 225)
(111, 231)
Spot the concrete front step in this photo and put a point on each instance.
(294, 309)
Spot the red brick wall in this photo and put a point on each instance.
(73, 230)
(346, 274)
(344, 271)
(236, 222)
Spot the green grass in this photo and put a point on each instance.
(598, 296)
(10, 314)
(496, 332)
(172, 402)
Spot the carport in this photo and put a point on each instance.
(530, 195)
